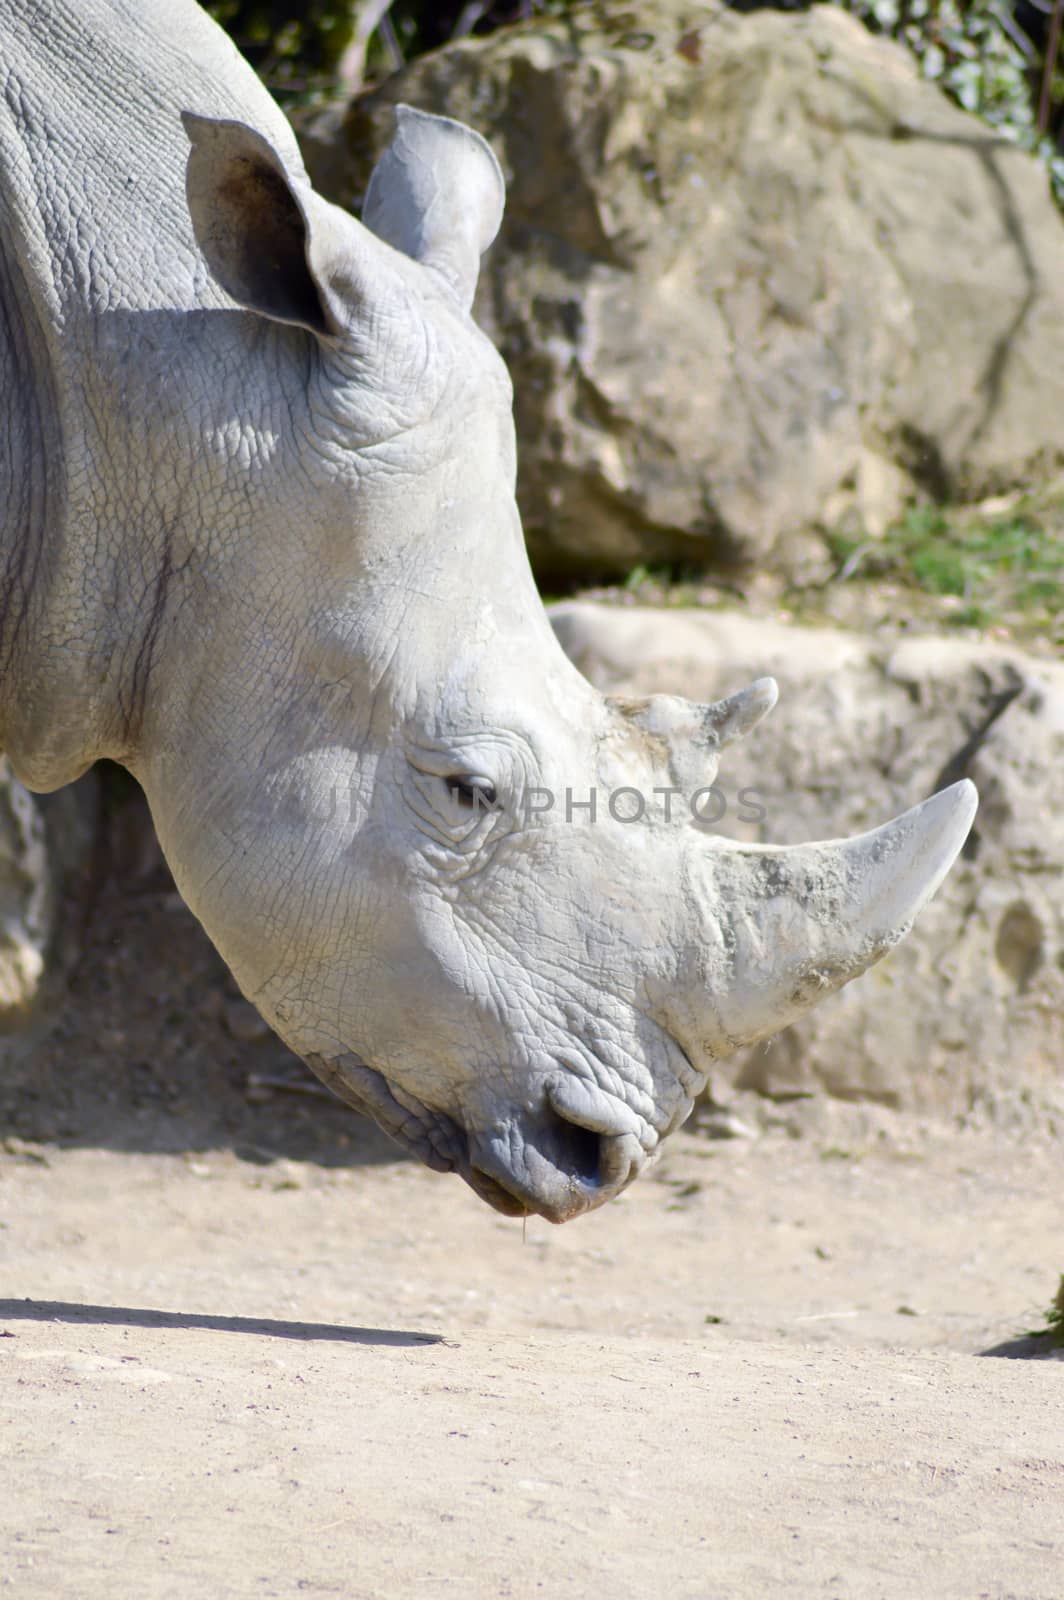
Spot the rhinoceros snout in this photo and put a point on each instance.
(542, 1162)
(543, 1159)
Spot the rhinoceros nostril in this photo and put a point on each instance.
(544, 1160)
(575, 1151)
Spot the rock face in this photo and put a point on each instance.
(26, 899)
(755, 275)
(968, 1013)
(45, 856)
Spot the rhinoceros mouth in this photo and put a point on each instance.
(542, 1161)
(432, 1136)
(495, 1195)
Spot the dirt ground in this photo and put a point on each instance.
(248, 1350)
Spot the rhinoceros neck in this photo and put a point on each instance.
(112, 342)
(169, 458)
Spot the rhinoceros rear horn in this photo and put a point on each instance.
(740, 713)
(274, 245)
(695, 734)
(717, 724)
(437, 194)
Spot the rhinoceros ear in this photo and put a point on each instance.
(437, 194)
(274, 245)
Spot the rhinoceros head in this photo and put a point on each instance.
(470, 891)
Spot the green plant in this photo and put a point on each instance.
(997, 59)
(1054, 1329)
(302, 49)
(294, 45)
(1001, 568)
(1001, 59)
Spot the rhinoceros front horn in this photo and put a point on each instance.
(780, 927)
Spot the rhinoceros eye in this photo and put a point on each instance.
(471, 791)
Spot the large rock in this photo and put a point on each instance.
(755, 274)
(968, 1012)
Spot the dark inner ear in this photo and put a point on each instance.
(267, 245)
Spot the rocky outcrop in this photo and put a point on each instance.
(968, 1012)
(755, 275)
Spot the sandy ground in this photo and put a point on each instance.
(246, 1350)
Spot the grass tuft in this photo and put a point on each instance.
(990, 571)
(1054, 1328)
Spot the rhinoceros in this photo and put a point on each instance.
(261, 546)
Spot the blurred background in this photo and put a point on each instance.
(874, 405)
(1000, 61)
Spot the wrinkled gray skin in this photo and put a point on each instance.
(260, 545)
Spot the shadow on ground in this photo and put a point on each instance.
(1033, 1347)
(80, 1315)
(146, 1045)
